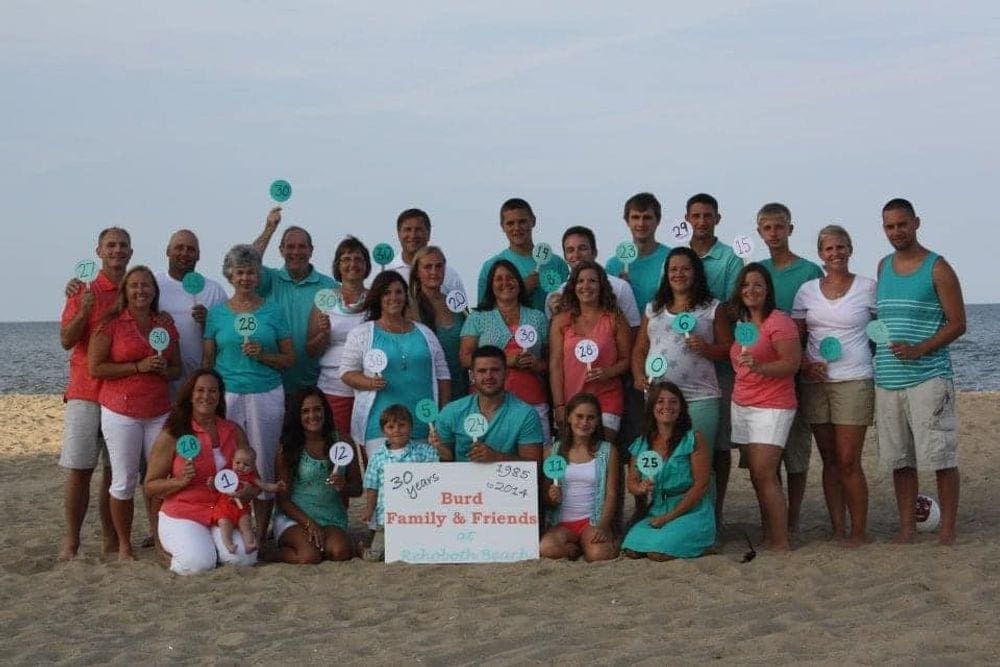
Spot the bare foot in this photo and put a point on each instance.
(109, 544)
(781, 547)
(251, 545)
(125, 555)
(853, 541)
(902, 537)
(68, 549)
(946, 538)
(230, 546)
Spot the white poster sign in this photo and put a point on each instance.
(461, 512)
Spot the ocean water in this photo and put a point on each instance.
(33, 362)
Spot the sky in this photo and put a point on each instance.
(157, 116)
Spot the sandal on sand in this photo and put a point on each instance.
(375, 552)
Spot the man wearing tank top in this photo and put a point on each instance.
(919, 299)
(788, 272)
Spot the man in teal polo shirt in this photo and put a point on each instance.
(722, 268)
(513, 432)
(788, 273)
(517, 221)
(293, 288)
(642, 217)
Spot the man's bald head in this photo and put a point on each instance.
(183, 253)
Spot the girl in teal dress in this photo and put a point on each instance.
(310, 523)
(679, 521)
(428, 306)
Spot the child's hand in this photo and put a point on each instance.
(555, 494)
(366, 515)
(280, 486)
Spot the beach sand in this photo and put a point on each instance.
(822, 604)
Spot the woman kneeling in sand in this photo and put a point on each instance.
(582, 507)
(311, 522)
(680, 519)
(186, 484)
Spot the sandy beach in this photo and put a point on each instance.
(822, 604)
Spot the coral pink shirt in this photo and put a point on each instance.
(81, 385)
(609, 392)
(755, 390)
(196, 501)
(141, 395)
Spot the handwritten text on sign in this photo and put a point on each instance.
(461, 512)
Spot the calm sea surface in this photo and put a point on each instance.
(33, 362)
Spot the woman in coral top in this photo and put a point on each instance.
(764, 400)
(135, 392)
(187, 486)
(589, 311)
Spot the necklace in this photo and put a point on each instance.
(398, 341)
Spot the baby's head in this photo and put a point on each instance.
(396, 423)
(244, 461)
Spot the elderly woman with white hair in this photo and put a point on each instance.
(838, 396)
(248, 342)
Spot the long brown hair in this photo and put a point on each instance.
(179, 421)
(566, 436)
(605, 298)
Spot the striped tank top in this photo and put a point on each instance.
(911, 310)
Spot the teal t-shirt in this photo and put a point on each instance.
(295, 299)
(408, 377)
(241, 374)
(525, 266)
(514, 423)
(644, 274)
(788, 280)
(722, 268)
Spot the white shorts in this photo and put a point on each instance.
(766, 426)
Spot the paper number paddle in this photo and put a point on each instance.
(554, 468)
(586, 352)
(341, 454)
(456, 301)
(830, 349)
(159, 340)
(245, 325)
(626, 252)
(526, 336)
(326, 300)
(475, 426)
(681, 232)
(383, 254)
(85, 270)
(743, 246)
(226, 481)
(281, 190)
(541, 253)
(187, 447)
(375, 361)
(746, 334)
(878, 332)
(193, 283)
(550, 281)
(684, 323)
(426, 410)
(649, 463)
(656, 366)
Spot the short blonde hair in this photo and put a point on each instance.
(833, 230)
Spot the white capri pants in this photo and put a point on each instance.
(196, 548)
(128, 440)
(260, 416)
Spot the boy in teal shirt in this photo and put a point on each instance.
(642, 217)
(788, 273)
(517, 221)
